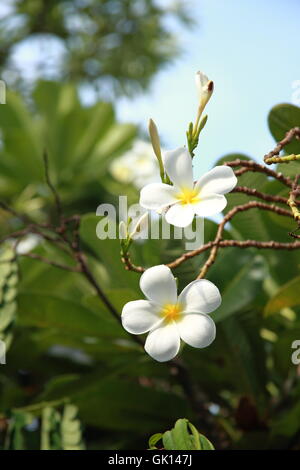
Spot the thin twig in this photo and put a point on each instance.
(13, 212)
(213, 245)
(292, 201)
(264, 196)
(273, 156)
(35, 256)
(237, 209)
(250, 165)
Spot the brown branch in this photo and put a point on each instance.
(74, 245)
(294, 235)
(35, 256)
(264, 196)
(13, 212)
(250, 165)
(129, 266)
(293, 133)
(36, 229)
(260, 245)
(292, 200)
(90, 277)
(218, 242)
(241, 208)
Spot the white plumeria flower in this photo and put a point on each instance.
(186, 199)
(136, 166)
(205, 88)
(168, 317)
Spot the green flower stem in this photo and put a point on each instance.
(284, 159)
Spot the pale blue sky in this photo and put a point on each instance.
(251, 49)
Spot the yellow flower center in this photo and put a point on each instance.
(171, 312)
(188, 196)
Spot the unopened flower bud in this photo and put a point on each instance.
(205, 88)
(122, 230)
(156, 146)
(140, 226)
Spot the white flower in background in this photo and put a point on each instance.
(27, 244)
(205, 88)
(137, 166)
(168, 317)
(185, 199)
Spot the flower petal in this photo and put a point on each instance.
(163, 343)
(156, 196)
(197, 330)
(200, 296)
(178, 165)
(219, 180)
(180, 215)
(210, 204)
(201, 81)
(159, 285)
(139, 316)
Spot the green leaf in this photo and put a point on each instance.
(118, 298)
(154, 439)
(107, 251)
(115, 403)
(282, 118)
(286, 296)
(47, 311)
(247, 355)
(205, 443)
(288, 423)
(241, 280)
(180, 438)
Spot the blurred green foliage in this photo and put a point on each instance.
(184, 436)
(115, 44)
(80, 142)
(68, 350)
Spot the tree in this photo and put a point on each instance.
(115, 45)
(69, 357)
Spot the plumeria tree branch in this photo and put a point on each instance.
(247, 165)
(219, 242)
(260, 195)
(274, 157)
(229, 216)
(244, 166)
(251, 165)
(292, 201)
